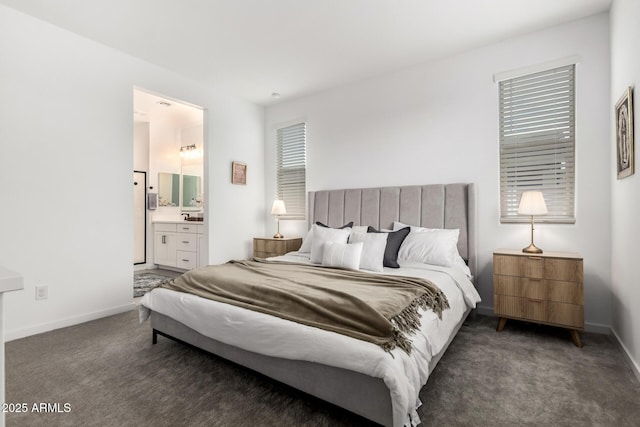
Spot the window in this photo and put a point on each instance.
(291, 169)
(537, 143)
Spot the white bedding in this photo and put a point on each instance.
(403, 374)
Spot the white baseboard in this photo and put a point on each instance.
(63, 323)
(632, 363)
(597, 328)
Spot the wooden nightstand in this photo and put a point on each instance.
(545, 288)
(264, 247)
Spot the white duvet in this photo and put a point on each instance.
(403, 374)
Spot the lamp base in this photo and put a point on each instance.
(280, 236)
(532, 249)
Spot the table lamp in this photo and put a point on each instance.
(278, 209)
(532, 203)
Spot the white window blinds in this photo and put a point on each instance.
(537, 143)
(291, 169)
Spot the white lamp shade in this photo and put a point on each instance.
(532, 203)
(278, 208)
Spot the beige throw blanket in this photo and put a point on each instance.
(381, 309)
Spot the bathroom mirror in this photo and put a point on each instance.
(191, 186)
(191, 193)
(168, 189)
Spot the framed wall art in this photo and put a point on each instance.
(624, 134)
(238, 173)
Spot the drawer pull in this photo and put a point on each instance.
(185, 260)
(185, 228)
(185, 241)
(535, 258)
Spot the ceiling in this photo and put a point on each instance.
(148, 107)
(299, 47)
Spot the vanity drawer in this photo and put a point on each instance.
(186, 259)
(158, 226)
(187, 228)
(187, 242)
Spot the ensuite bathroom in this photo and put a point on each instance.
(168, 189)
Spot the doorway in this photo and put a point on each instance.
(168, 142)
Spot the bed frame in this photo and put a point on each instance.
(434, 206)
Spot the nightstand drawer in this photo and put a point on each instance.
(261, 245)
(568, 270)
(268, 247)
(550, 290)
(519, 308)
(520, 266)
(570, 315)
(555, 313)
(535, 310)
(259, 254)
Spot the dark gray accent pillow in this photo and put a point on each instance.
(348, 225)
(394, 240)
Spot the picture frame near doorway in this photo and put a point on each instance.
(238, 173)
(624, 134)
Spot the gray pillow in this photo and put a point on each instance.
(394, 240)
(347, 225)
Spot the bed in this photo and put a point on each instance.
(347, 372)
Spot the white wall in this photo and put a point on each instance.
(438, 123)
(164, 149)
(141, 147)
(66, 161)
(625, 194)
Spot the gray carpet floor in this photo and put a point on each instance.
(111, 375)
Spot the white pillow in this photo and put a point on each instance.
(308, 239)
(358, 229)
(458, 261)
(399, 225)
(306, 242)
(373, 250)
(436, 247)
(342, 255)
(322, 235)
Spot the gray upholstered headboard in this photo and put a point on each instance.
(433, 206)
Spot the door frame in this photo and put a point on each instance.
(145, 215)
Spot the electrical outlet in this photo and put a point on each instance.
(42, 292)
